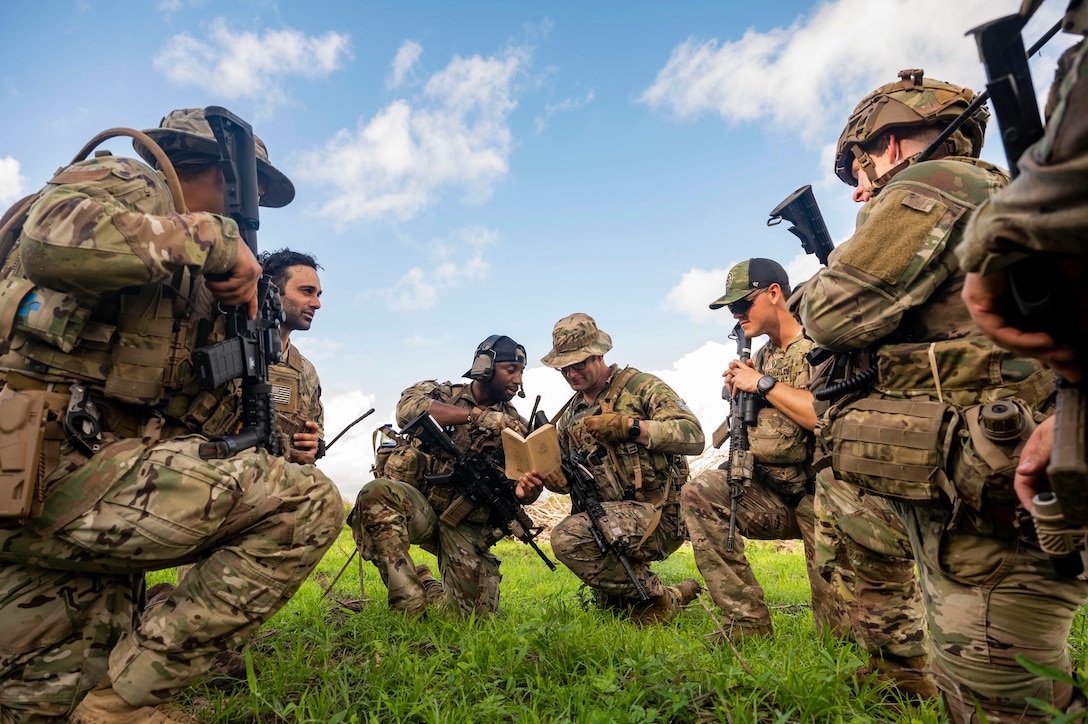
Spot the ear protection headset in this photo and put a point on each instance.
(483, 364)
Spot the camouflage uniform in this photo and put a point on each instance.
(893, 290)
(660, 469)
(297, 391)
(777, 505)
(401, 509)
(105, 274)
(864, 553)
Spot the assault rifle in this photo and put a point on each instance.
(480, 483)
(1061, 517)
(743, 413)
(801, 210)
(251, 344)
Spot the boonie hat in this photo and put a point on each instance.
(185, 132)
(749, 276)
(574, 339)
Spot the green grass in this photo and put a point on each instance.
(548, 656)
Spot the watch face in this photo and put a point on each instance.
(765, 384)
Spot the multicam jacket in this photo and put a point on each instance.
(417, 400)
(781, 447)
(105, 289)
(895, 287)
(672, 427)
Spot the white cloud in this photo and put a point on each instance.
(457, 262)
(697, 288)
(316, 347)
(568, 104)
(454, 135)
(12, 182)
(240, 64)
(403, 62)
(695, 291)
(806, 78)
(348, 461)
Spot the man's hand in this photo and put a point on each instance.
(741, 376)
(307, 441)
(495, 422)
(240, 286)
(989, 300)
(607, 427)
(1030, 476)
(528, 487)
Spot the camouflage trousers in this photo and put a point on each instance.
(864, 553)
(254, 525)
(573, 544)
(988, 599)
(391, 516)
(762, 514)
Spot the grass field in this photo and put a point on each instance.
(548, 656)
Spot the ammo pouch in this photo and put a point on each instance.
(895, 448)
(29, 452)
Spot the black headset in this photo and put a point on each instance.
(483, 364)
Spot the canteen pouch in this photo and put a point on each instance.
(22, 439)
(988, 452)
(894, 448)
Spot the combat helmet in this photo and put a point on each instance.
(912, 101)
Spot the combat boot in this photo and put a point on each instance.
(686, 591)
(907, 674)
(736, 631)
(432, 587)
(103, 705)
(664, 608)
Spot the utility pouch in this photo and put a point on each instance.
(22, 462)
(895, 448)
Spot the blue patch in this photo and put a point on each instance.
(32, 302)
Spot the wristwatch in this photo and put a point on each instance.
(766, 384)
(634, 430)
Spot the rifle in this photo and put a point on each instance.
(480, 482)
(251, 344)
(743, 413)
(801, 210)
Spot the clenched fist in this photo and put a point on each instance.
(607, 427)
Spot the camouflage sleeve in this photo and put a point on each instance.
(1043, 209)
(416, 400)
(109, 223)
(670, 424)
(893, 262)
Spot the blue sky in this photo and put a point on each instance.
(475, 168)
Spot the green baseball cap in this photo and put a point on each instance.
(749, 276)
(574, 339)
(184, 132)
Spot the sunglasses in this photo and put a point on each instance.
(741, 306)
(577, 367)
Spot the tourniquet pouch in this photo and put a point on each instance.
(895, 448)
